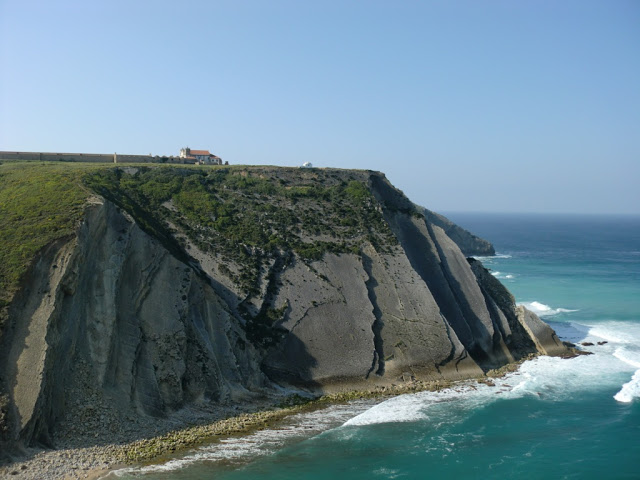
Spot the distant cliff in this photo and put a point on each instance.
(184, 286)
(469, 244)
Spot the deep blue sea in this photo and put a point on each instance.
(554, 419)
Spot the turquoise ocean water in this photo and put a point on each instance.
(577, 418)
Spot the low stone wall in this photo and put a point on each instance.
(151, 159)
(91, 157)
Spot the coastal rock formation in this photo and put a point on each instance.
(470, 244)
(144, 319)
(111, 316)
(419, 308)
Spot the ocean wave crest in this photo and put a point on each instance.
(503, 276)
(543, 310)
(617, 333)
(483, 258)
(545, 378)
(237, 449)
(628, 357)
(629, 390)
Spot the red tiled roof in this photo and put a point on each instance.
(199, 152)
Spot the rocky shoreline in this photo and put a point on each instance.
(72, 461)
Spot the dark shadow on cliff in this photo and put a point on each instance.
(501, 305)
(377, 326)
(489, 353)
(286, 359)
(292, 365)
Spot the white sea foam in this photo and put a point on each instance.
(627, 356)
(629, 390)
(543, 310)
(616, 353)
(490, 258)
(545, 378)
(259, 443)
(617, 332)
(623, 344)
(411, 407)
(502, 276)
(388, 473)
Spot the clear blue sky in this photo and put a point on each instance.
(465, 105)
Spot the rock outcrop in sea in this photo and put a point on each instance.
(147, 310)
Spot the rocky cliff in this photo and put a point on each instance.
(470, 244)
(185, 287)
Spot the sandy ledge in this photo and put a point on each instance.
(71, 461)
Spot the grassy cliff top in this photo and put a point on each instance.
(244, 213)
(39, 203)
(249, 215)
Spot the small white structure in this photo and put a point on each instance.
(306, 165)
(203, 157)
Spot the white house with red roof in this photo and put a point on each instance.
(204, 157)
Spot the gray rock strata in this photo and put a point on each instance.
(470, 244)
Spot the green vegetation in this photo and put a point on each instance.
(262, 329)
(248, 215)
(39, 203)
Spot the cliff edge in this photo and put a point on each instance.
(470, 244)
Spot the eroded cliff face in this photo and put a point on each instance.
(110, 316)
(418, 310)
(116, 316)
(469, 244)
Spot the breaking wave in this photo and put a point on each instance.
(615, 348)
(543, 310)
(263, 442)
(503, 276)
(631, 389)
(492, 257)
